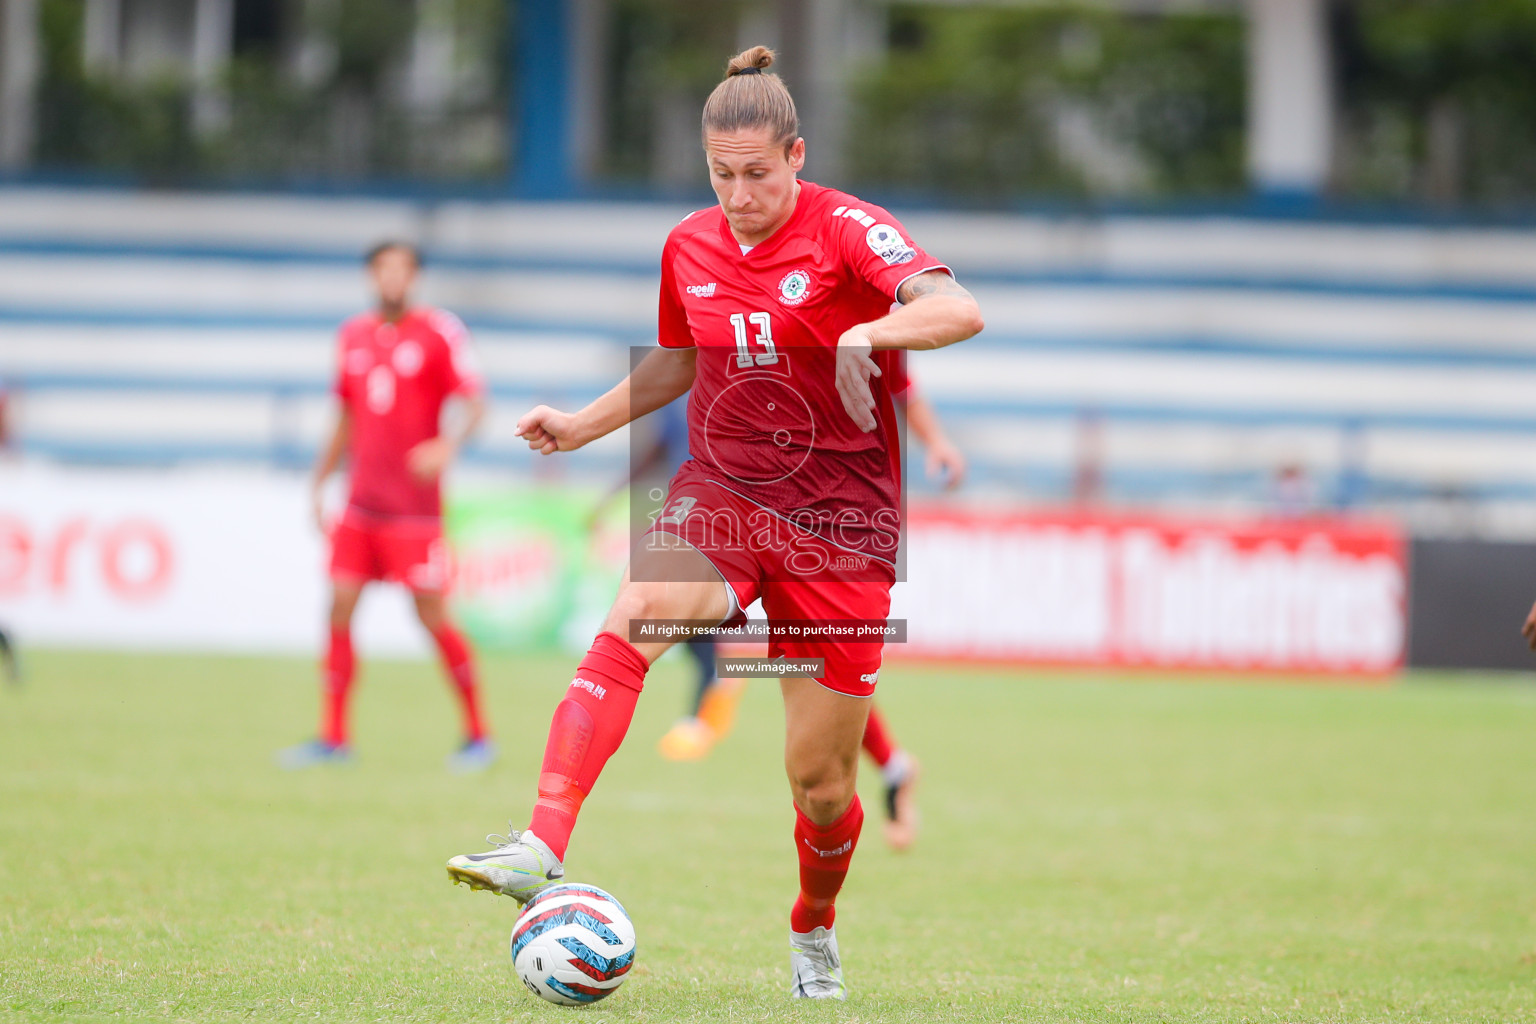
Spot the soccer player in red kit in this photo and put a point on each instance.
(774, 316)
(398, 366)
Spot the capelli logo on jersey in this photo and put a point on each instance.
(702, 291)
(838, 852)
(586, 684)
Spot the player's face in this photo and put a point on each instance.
(754, 179)
(394, 275)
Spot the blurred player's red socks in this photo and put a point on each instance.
(825, 853)
(877, 742)
(589, 725)
(340, 667)
(461, 672)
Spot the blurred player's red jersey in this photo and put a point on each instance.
(765, 419)
(394, 378)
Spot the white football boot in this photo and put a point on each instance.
(521, 866)
(815, 970)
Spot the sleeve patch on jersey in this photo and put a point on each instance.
(887, 243)
(465, 364)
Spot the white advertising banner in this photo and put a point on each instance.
(202, 560)
(1322, 595)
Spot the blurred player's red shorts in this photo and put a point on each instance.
(800, 578)
(397, 549)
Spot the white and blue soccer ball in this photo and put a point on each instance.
(573, 944)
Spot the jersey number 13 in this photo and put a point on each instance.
(744, 354)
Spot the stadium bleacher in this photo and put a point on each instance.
(1394, 362)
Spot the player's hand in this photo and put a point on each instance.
(1529, 629)
(429, 459)
(317, 509)
(946, 463)
(855, 365)
(549, 430)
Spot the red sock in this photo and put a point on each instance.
(877, 742)
(589, 725)
(340, 668)
(460, 664)
(825, 853)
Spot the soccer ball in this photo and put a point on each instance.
(573, 944)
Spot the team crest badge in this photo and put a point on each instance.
(794, 288)
(407, 358)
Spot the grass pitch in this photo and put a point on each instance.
(1095, 849)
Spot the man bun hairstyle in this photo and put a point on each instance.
(755, 59)
(751, 98)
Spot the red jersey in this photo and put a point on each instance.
(764, 415)
(394, 378)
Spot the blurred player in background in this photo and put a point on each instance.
(713, 703)
(8, 659)
(775, 318)
(714, 707)
(899, 770)
(398, 366)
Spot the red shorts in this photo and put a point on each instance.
(797, 575)
(398, 550)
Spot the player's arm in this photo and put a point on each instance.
(944, 461)
(430, 459)
(662, 376)
(936, 311)
(328, 461)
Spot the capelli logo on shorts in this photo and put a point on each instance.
(586, 684)
(871, 678)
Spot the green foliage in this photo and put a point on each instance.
(1002, 101)
(369, 35)
(977, 100)
(1096, 849)
(345, 123)
(1438, 99)
(662, 54)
